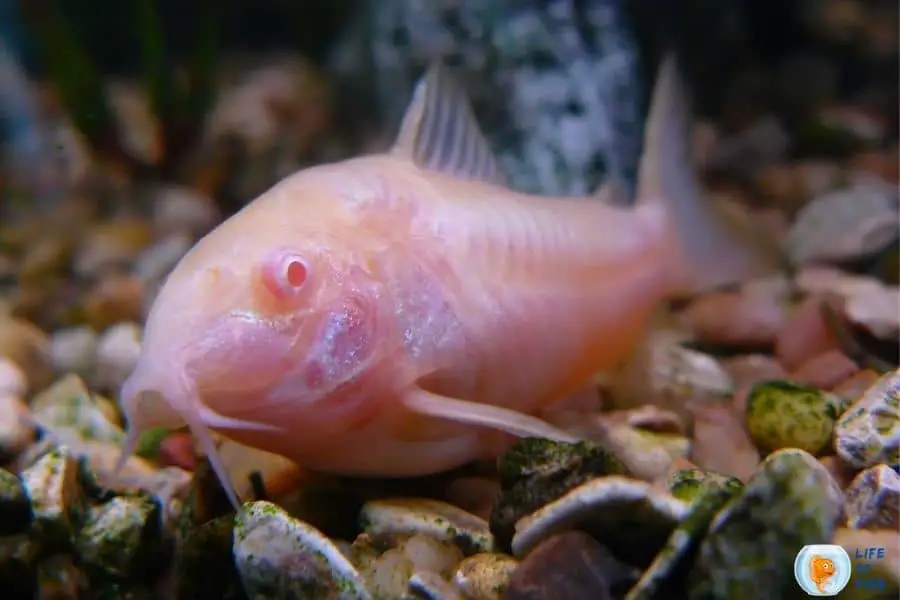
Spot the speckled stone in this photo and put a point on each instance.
(686, 484)
(57, 498)
(484, 576)
(121, 539)
(535, 472)
(555, 84)
(750, 547)
(869, 432)
(278, 556)
(400, 517)
(667, 572)
(785, 415)
(873, 499)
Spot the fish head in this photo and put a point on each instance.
(254, 336)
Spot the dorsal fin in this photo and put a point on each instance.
(439, 131)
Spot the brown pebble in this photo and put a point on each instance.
(883, 164)
(750, 368)
(115, 299)
(736, 319)
(177, 450)
(842, 473)
(856, 385)
(721, 442)
(825, 370)
(568, 566)
(806, 334)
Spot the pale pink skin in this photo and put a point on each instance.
(466, 289)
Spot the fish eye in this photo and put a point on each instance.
(284, 274)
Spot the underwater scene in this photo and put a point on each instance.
(497, 300)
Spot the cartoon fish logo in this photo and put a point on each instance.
(821, 570)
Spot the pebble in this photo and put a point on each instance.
(825, 370)
(568, 566)
(158, 260)
(742, 319)
(841, 472)
(484, 576)
(751, 544)
(853, 388)
(26, 346)
(631, 518)
(111, 244)
(182, 210)
(845, 224)
(710, 492)
(686, 484)
(781, 414)
(717, 427)
(120, 538)
(534, 472)
(279, 556)
(205, 563)
(15, 508)
(67, 405)
(57, 499)
(748, 369)
(873, 499)
(876, 311)
(114, 299)
(118, 351)
(12, 378)
(17, 429)
(74, 350)
(429, 586)
(869, 432)
(672, 377)
(397, 517)
(645, 454)
(806, 334)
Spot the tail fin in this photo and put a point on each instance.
(713, 244)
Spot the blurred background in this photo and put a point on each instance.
(130, 129)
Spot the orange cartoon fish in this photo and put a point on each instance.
(821, 569)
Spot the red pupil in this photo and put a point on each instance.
(296, 273)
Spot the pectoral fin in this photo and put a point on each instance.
(484, 415)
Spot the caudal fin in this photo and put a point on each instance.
(713, 244)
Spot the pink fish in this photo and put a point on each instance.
(404, 313)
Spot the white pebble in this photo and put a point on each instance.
(179, 209)
(117, 354)
(159, 259)
(73, 350)
(16, 428)
(429, 554)
(12, 378)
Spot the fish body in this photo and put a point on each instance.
(405, 313)
(821, 570)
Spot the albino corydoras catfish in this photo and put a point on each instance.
(401, 314)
